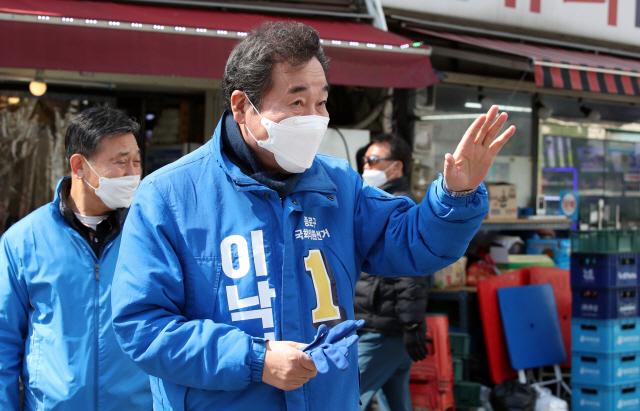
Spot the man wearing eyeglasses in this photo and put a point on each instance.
(393, 308)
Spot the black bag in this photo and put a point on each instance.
(511, 395)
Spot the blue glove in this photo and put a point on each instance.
(333, 344)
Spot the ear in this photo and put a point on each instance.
(238, 106)
(77, 166)
(400, 166)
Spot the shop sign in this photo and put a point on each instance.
(613, 20)
(569, 203)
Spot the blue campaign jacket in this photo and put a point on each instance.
(55, 321)
(213, 262)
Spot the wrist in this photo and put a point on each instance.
(461, 193)
(410, 326)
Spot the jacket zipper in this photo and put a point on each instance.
(96, 331)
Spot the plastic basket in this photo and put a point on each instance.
(605, 369)
(604, 303)
(605, 336)
(604, 270)
(459, 344)
(590, 397)
(467, 394)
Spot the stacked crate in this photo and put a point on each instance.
(431, 380)
(465, 393)
(605, 328)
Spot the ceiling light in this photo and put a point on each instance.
(503, 108)
(449, 117)
(38, 87)
(13, 100)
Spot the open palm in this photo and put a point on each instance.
(469, 165)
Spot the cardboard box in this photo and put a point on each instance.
(454, 275)
(503, 202)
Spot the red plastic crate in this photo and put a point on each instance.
(438, 366)
(425, 395)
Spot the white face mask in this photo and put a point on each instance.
(115, 192)
(376, 178)
(294, 141)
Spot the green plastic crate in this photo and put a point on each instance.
(459, 344)
(605, 241)
(467, 394)
(457, 369)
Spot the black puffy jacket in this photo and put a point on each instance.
(387, 304)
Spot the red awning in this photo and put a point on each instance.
(565, 69)
(152, 40)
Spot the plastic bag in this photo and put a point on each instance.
(548, 402)
(511, 395)
(480, 270)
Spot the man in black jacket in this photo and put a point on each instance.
(393, 308)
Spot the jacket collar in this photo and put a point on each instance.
(397, 184)
(314, 179)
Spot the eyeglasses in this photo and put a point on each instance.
(372, 160)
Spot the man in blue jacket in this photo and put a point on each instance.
(238, 252)
(56, 267)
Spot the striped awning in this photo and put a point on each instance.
(565, 69)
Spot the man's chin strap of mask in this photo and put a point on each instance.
(333, 344)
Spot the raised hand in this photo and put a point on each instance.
(469, 165)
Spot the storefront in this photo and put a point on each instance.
(571, 65)
(163, 65)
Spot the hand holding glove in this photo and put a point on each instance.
(333, 344)
(414, 336)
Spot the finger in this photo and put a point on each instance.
(497, 144)
(472, 132)
(450, 171)
(307, 363)
(296, 345)
(495, 129)
(491, 115)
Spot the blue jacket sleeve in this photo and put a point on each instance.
(14, 324)
(397, 238)
(148, 301)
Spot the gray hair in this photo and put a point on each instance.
(251, 62)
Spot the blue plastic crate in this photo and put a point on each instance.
(605, 369)
(604, 270)
(604, 303)
(589, 397)
(605, 336)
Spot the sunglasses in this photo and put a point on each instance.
(371, 160)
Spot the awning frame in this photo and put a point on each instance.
(195, 31)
